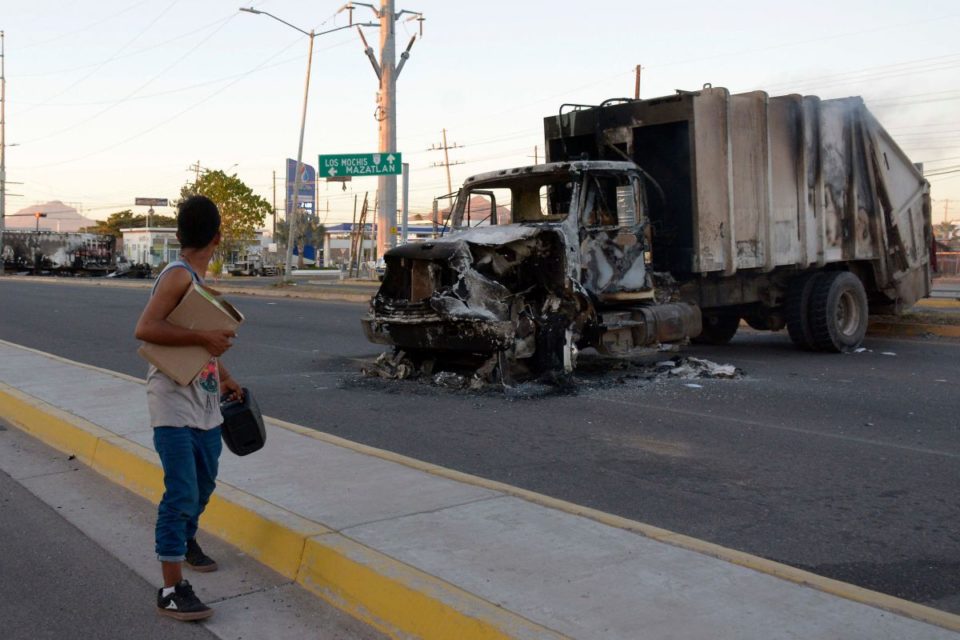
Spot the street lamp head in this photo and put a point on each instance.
(250, 10)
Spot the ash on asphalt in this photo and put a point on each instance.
(594, 373)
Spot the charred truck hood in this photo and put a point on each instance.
(481, 290)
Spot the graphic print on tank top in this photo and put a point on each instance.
(208, 377)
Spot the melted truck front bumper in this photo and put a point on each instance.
(433, 332)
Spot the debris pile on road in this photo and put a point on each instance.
(391, 366)
(400, 365)
(690, 367)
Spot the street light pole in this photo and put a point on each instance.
(294, 210)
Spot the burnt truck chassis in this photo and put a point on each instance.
(57, 253)
(524, 298)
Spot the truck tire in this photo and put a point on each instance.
(718, 328)
(838, 312)
(798, 310)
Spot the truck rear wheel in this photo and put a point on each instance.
(797, 310)
(718, 328)
(838, 312)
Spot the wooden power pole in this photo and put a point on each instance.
(446, 158)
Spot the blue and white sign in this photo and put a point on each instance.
(308, 185)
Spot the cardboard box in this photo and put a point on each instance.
(203, 309)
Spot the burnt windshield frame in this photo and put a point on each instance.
(565, 184)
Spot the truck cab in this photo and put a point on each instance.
(530, 262)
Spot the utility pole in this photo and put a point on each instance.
(387, 71)
(636, 88)
(536, 154)
(446, 158)
(3, 148)
(195, 167)
(387, 213)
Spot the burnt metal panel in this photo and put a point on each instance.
(786, 175)
(713, 176)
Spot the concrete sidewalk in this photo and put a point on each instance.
(421, 551)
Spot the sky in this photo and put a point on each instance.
(112, 100)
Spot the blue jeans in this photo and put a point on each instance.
(190, 459)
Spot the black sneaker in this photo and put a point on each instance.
(182, 604)
(197, 559)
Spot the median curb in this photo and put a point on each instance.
(391, 596)
(331, 294)
(900, 329)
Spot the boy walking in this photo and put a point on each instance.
(185, 419)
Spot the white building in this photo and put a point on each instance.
(150, 245)
(159, 245)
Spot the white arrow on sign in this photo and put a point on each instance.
(390, 158)
(332, 171)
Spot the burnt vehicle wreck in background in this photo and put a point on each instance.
(564, 268)
(660, 220)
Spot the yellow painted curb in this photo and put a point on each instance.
(937, 303)
(53, 426)
(912, 330)
(130, 465)
(403, 601)
(272, 535)
(383, 592)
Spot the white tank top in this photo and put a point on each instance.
(195, 405)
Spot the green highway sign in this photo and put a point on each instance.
(360, 164)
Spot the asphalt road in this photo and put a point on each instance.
(845, 465)
(57, 583)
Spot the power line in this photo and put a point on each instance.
(198, 85)
(137, 90)
(116, 57)
(796, 43)
(96, 23)
(101, 65)
(169, 119)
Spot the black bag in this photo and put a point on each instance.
(242, 430)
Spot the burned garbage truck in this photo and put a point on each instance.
(660, 220)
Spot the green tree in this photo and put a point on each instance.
(126, 219)
(242, 211)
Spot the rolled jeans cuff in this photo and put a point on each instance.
(179, 558)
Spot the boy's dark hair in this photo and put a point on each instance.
(198, 221)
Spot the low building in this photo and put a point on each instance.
(159, 245)
(150, 245)
(336, 241)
